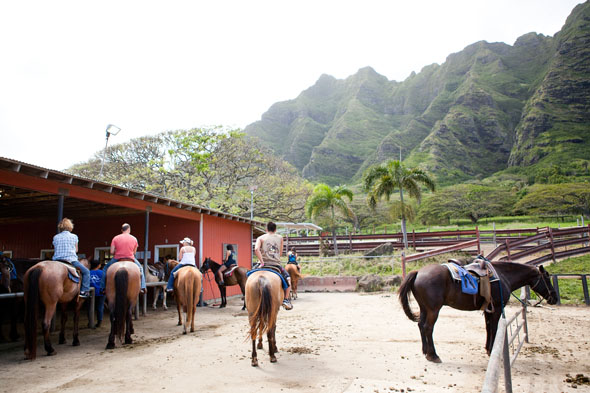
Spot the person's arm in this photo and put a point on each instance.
(281, 249)
(76, 248)
(180, 254)
(113, 247)
(257, 251)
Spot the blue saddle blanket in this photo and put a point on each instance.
(283, 281)
(72, 277)
(469, 284)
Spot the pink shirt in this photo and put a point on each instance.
(125, 246)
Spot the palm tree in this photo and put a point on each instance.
(383, 180)
(327, 199)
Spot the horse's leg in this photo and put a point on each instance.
(428, 328)
(491, 328)
(223, 296)
(156, 294)
(421, 328)
(128, 326)
(163, 290)
(111, 342)
(260, 342)
(79, 304)
(243, 288)
(177, 299)
(272, 344)
(254, 355)
(64, 319)
(49, 313)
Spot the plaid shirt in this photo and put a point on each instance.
(64, 244)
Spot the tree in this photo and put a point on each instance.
(466, 201)
(556, 199)
(328, 200)
(381, 181)
(213, 167)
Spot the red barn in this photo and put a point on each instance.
(34, 199)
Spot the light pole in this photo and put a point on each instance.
(252, 189)
(111, 130)
(401, 194)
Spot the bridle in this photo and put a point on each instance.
(541, 279)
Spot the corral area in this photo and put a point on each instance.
(329, 342)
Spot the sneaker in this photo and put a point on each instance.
(142, 291)
(84, 295)
(168, 290)
(287, 304)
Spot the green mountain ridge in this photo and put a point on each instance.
(488, 108)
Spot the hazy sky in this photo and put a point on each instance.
(69, 68)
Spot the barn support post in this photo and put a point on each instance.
(60, 207)
(148, 209)
(200, 304)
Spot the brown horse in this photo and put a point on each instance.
(291, 268)
(264, 295)
(48, 281)
(122, 290)
(238, 277)
(187, 289)
(433, 287)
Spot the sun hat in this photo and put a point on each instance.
(187, 240)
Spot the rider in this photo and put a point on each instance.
(292, 258)
(186, 256)
(65, 245)
(228, 263)
(124, 246)
(268, 249)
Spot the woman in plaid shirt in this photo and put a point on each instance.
(65, 244)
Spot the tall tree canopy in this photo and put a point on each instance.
(381, 181)
(213, 167)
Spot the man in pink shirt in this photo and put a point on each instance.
(124, 246)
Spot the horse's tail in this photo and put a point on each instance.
(31, 312)
(121, 302)
(404, 292)
(264, 318)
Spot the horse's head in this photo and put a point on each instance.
(543, 286)
(5, 269)
(206, 265)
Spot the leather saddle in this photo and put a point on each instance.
(229, 272)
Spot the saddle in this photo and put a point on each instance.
(483, 273)
(230, 271)
(73, 274)
(156, 272)
(181, 267)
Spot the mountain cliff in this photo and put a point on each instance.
(488, 108)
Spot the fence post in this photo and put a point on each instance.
(551, 240)
(506, 360)
(350, 242)
(414, 238)
(91, 308)
(525, 324)
(508, 249)
(478, 242)
(585, 289)
(556, 286)
(403, 264)
(494, 234)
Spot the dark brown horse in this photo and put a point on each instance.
(291, 268)
(238, 277)
(264, 295)
(433, 287)
(122, 289)
(187, 289)
(48, 282)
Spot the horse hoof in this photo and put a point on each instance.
(52, 353)
(434, 359)
(179, 324)
(62, 340)
(110, 346)
(254, 363)
(273, 359)
(165, 308)
(128, 341)
(259, 346)
(76, 343)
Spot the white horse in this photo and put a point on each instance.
(155, 273)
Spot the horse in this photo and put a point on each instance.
(48, 282)
(238, 277)
(155, 273)
(187, 289)
(264, 295)
(291, 268)
(9, 306)
(433, 287)
(122, 289)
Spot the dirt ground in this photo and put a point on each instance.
(329, 342)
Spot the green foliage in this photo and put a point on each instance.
(570, 289)
(465, 201)
(328, 201)
(556, 199)
(214, 167)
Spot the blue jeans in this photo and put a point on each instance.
(85, 276)
(99, 299)
(106, 267)
(170, 285)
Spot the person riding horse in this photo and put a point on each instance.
(228, 263)
(268, 249)
(292, 258)
(186, 257)
(124, 246)
(65, 245)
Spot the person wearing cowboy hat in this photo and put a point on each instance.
(186, 257)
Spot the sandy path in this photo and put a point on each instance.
(329, 342)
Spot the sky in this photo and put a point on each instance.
(70, 68)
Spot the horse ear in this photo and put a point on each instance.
(541, 269)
